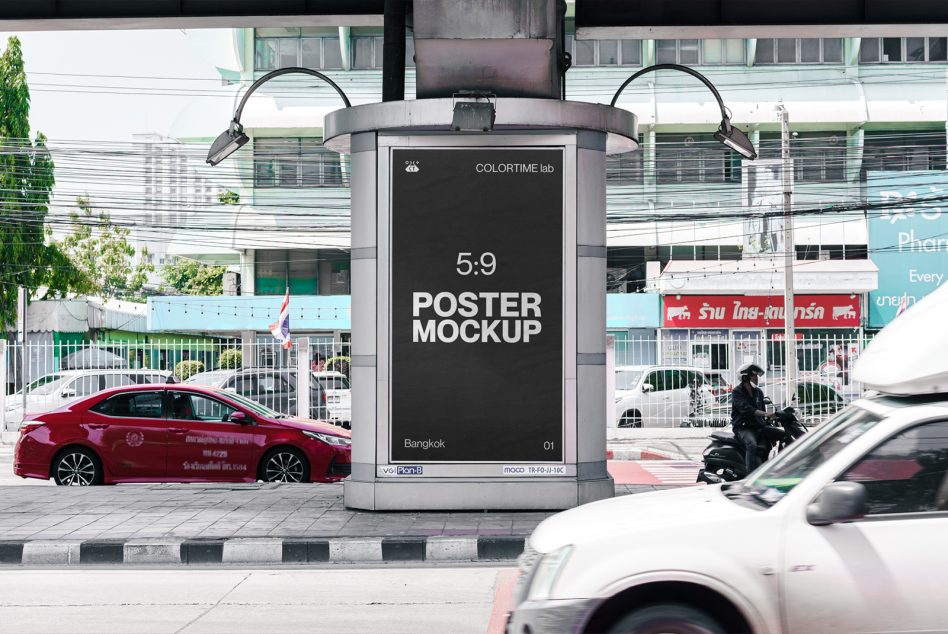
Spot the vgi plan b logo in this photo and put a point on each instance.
(477, 305)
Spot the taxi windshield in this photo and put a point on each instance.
(775, 479)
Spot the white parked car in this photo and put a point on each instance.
(59, 388)
(843, 532)
(659, 396)
(338, 397)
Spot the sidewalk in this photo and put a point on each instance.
(243, 523)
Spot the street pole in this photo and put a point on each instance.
(23, 360)
(790, 341)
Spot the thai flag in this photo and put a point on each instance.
(280, 329)
(903, 305)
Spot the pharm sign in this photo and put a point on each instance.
(748, 311)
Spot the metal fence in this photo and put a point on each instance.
(309, 378)
(682, 379)
(666, 381)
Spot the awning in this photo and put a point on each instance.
(758, 276)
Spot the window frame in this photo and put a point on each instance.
(903, 51)
(879, 517)
(597, 60)
(133, 394)
(170, 410)
(306, 156)
(298, 43)
(798, 56)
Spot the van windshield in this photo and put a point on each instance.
(627, 379)
(775, 479)
(45, 385)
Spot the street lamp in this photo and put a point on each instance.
(231, 139)
(727, 134)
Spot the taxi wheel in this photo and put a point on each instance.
(77, 466)
(284, 464)
(667, 618)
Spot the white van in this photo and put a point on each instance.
(338, 397)
(59, 388)
(843, 532)
(659, 395)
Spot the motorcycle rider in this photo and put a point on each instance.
(747, 413)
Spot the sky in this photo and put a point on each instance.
(61, 111)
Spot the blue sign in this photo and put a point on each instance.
(907, 241)
(633, 310)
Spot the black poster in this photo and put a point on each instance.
(477, 303)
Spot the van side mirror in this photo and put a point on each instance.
(838, 502)
(240, 418)
(648, 387)
(68, 393)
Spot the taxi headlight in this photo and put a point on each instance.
(547, 572)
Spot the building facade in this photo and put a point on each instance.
(681, 226)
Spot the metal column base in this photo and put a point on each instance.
(472, 495)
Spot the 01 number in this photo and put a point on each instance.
(486, 264)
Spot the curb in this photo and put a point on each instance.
(260, 551)
(635, 453)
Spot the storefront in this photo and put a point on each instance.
(719, 333)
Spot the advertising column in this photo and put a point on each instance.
(477, 310)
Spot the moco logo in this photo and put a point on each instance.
(412, 166)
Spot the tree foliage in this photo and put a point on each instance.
(27, 255)
(102, 253)
(194, 278)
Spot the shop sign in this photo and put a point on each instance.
(908, 241)
(751, 311)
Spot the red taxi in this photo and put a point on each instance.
(177, 433)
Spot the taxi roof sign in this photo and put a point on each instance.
(908, 357)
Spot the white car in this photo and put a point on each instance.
(843, 532)
(59, 388)
(338, 397)
(659, 395)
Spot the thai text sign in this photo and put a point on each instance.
(751, 311)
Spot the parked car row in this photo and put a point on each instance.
(59, 388)
(673, 396)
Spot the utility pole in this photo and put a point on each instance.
(789, 250)
(24, 379)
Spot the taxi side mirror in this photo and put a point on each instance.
(240, 418)
(837, 503)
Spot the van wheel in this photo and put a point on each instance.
(77, 466)
(630, 418)
(667, 618)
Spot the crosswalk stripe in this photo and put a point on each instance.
(672, 471)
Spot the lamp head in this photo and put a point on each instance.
(735, 139)
(229, 141)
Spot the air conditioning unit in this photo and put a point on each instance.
(231, 283)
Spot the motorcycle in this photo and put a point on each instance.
(724, 457)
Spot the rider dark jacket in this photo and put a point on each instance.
(744, 406)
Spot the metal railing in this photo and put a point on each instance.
(666, 381)
(310, 378)
(684, 380)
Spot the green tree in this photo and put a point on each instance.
(102, 252)
(28, 257)
(228, 198)
(194, 278)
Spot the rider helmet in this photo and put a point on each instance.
(750, 368)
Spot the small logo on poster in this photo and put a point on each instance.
(412, 166)
(135, 438)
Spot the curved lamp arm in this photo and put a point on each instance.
(286, 71)
(233, 137)
(730, 136)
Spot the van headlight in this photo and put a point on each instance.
(547, 572)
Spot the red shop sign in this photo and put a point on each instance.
(753, 311)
